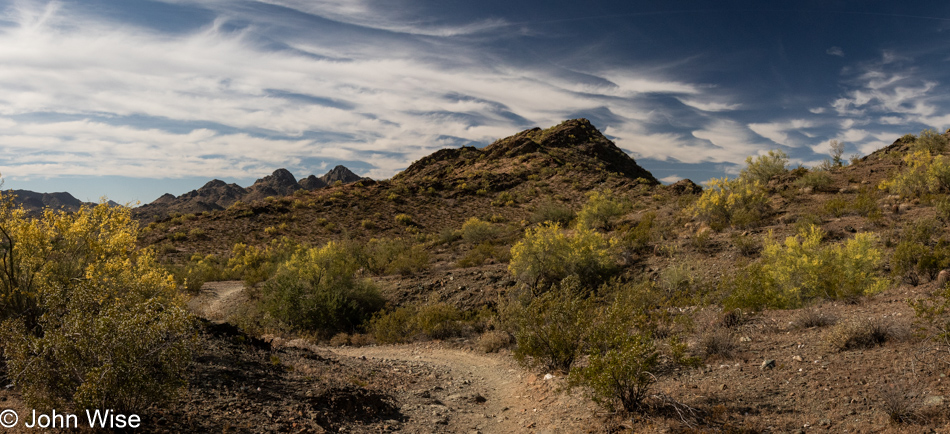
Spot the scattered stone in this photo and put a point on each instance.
(797, 358)
(933, 401)
(767, 364)
(745, 339)
(548, 376)
(942, 278)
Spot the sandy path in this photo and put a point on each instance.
(514, 401)
(217, 300)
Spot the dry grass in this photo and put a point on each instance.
(494, 340)
(859, 334)
(810, 318)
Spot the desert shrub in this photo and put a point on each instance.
(731, 202)
(503, 199)
(621, 374)
(553, 212)
(925, 173)
(763, 168)
(837, 206)
(390, 256)
(366, 223)
(930, 141)
(865, 204)
(815, 179)
(600, 211)
(477, 231)
(622, 354)
(439, 321)
(639, 237)
(404, 219)
(676, 281)
(942, 207)
(789, 275)
(494, 340)
(481, 253)
(811, 317)
(916, 255)
(900, 402)
(317, 290)
(717, 342)
(200, 269)
(548, 255)
(408, 323)
(837, 151)
(748, 245)
(552, 329)
(256, 264)
(859, 334)
(90, 320)
(393, 326)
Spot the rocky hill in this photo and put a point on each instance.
(218, 195)
(849, 363)
(509, 180)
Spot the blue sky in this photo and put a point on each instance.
(131, 99)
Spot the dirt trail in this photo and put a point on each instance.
(485, 393)
(218, 299)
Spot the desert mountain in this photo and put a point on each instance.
(339, 173)
(34, 202)
(574, 145)
(312, 183)
(217, 195)
(507, 181)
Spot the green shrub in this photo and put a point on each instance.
(731, 202)
(925, 173)
(393, 327)
(256, 264)
(407, 323)
(553, 212)
(90, 320)
(815, 179)
(930, 141)
(477, 231)
(390, 256)
(639, 237)
(763, 168)
(503, 199)
(404, 219)
(837, 150)
(622, 374)
(600, 211)
(551, 330)
(837, 206)
(859, 334)
(317, 290)
(791, 274)
(548, 255)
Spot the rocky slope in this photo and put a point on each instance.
(218, 195)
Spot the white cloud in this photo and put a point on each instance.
(835, 51)
(671, 179)
(778, 132)
(709, 106)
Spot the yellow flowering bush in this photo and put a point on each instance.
(548, 254)
(89, 319)
(734, 202)
(925, 173)
(601, 209)
(790, 274)
(318, 290)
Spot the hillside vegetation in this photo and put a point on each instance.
(786, 298)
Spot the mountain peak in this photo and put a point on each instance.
(340, 173)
